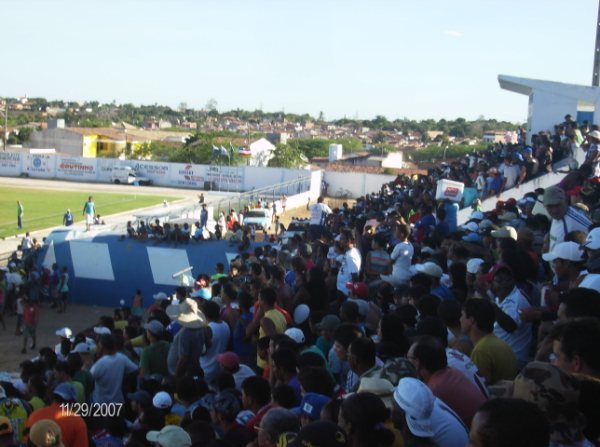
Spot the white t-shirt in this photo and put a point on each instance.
(449, 430)
(572, 221)
(520, 339)
(219, 342)
(402, 257)
(511, 174)
(350, 263)
(316, 213)
(243, 373)
(463, 363)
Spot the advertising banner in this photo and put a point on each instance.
(10, 163)
(225, 178)
(187, 175)
(104, 168)
(156, 171)
(76, 168)
(39, 165)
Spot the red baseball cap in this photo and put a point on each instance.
(229, 360)
(495, 269)
(359, 289)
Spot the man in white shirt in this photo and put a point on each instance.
(318, 214)
(565, 218)
(509, 304)
(350, 261)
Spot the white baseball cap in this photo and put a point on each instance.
(64, 332)
(430, 268)
(471, 226)
(301, 313)
(593, 239)
(295, 334)
(569, 251)
(162, 400)
(82, 348)
(101, 330)
(160, 296)
(170, 436)
(473, 264)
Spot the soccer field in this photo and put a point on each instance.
(45, 208)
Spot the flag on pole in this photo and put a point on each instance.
(223, 151)
(244, 151)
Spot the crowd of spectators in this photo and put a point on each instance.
(386, 324)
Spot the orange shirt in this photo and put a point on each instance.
(74, 430)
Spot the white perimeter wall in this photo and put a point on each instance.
(222, 178)
(354, 184)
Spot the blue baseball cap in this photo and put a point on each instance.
(66, 391)
(311, 405)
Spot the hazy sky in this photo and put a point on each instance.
(399, 58)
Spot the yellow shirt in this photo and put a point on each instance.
(280, 325)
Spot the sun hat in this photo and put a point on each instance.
(507, 232)
(594, 134)
(473, 265)
(64, 332)
(45, 433)
(430, 268)
(296, 334)
(593, 239)
(162, 400)
(170, 436)
(301, 313)
(417, 402)
(229, 360)
(382, 388)
(187, 314)
(568, 251)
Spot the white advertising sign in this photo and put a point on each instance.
(104, 168)
(10, 163)
(225, 178)
(156, 171)
(191, 176)
(40, 165)
(76, 168)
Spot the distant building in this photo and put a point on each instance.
(278, 137)
(494, 136)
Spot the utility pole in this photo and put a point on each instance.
(5, 123)
(596, 68)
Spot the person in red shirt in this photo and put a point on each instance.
(61, 411)
(30, 322)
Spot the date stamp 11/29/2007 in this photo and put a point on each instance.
(91, 410)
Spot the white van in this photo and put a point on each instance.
(127, 175)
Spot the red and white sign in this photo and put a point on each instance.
(448, 189)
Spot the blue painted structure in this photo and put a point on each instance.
(105, 268)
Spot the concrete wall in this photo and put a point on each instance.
(354, 184)
(546, 109)
(63, 141)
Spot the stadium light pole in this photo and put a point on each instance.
(596, 67)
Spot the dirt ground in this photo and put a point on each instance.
(77, 317)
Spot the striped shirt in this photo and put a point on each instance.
(573, 220)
